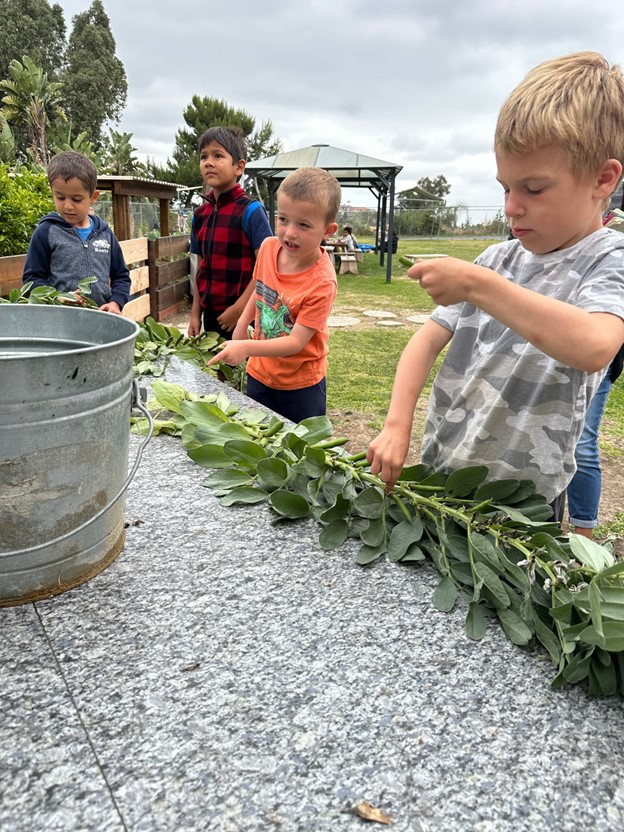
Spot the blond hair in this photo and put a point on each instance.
(575, 102)
(314, 185)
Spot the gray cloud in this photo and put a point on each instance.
(416, 82)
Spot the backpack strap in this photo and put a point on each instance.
(249, 210)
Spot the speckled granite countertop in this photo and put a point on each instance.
(225, 673)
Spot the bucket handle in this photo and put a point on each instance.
(138, 403)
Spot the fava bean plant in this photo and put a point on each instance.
(493, 543)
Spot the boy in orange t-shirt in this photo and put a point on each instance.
(294, 290)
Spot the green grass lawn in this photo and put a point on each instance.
(362, 362)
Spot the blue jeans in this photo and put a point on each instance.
(585, 486)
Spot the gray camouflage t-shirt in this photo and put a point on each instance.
(499, 401)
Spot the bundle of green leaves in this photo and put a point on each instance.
(492, 543)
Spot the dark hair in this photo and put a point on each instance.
(71, 165)
(348, 229)
(230, 139)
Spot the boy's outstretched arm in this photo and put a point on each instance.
(545, 322)
(195, 322)
(387, 452)
(234, 352)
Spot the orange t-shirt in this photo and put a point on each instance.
(282, 300)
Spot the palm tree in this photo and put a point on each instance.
(33, 101)
(118, 155)
(60, 139)
(7, 142)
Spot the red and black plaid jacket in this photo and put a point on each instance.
(227, 258)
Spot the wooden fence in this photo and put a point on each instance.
(159, 274)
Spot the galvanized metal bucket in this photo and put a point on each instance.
(66, 382)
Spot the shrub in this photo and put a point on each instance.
(24, 198)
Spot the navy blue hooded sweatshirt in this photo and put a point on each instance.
(58, 257)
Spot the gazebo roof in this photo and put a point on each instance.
(353, 170)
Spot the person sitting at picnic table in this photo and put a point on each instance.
(349, 239)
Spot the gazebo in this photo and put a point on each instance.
(352, 170)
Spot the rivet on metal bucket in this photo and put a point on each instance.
(66, 378)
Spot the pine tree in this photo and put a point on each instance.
(95, 79)
(33, 28)
(205, 112)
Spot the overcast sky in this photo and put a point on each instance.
(414, 82)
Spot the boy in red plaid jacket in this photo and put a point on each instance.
(226, 249)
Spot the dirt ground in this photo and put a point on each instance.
(356, 425)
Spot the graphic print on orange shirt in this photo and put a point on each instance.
(273, 314)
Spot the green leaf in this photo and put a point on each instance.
(578, 668)
(334, 535)
(437, 556)
(524, 519)
(456, 542)
(602, 678)
(515, 628)
(611, 640)
(402, 536)
(369, 503)
(493, 584)
(463, 482)
(547, 638)
(612, 571)
(293, 443)
(292, 506)
(314, 429)
(497, 490)
(169, 395)
(476, 622)
(612, 612)
(414, 553)
(374, 534)
(253, 416)
(272, 473)
(222, 482)
(245, 495)
(244, 453)
(515, 574)
(332, 488)
(590, 554)
(313, 463)
(485, 551)
(445, 595)
(203, 413)
(594, 603)
(415, 473)
(526, 489)
(462, 572)
(210, 456)
(338, 511)
(368, 554)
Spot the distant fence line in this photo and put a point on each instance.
(432, 222)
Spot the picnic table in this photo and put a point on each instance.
(226, 673)
(415, 257)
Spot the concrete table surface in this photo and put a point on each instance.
(225, 673)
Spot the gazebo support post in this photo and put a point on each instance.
(390, 231)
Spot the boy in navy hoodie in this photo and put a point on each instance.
(70, 243)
